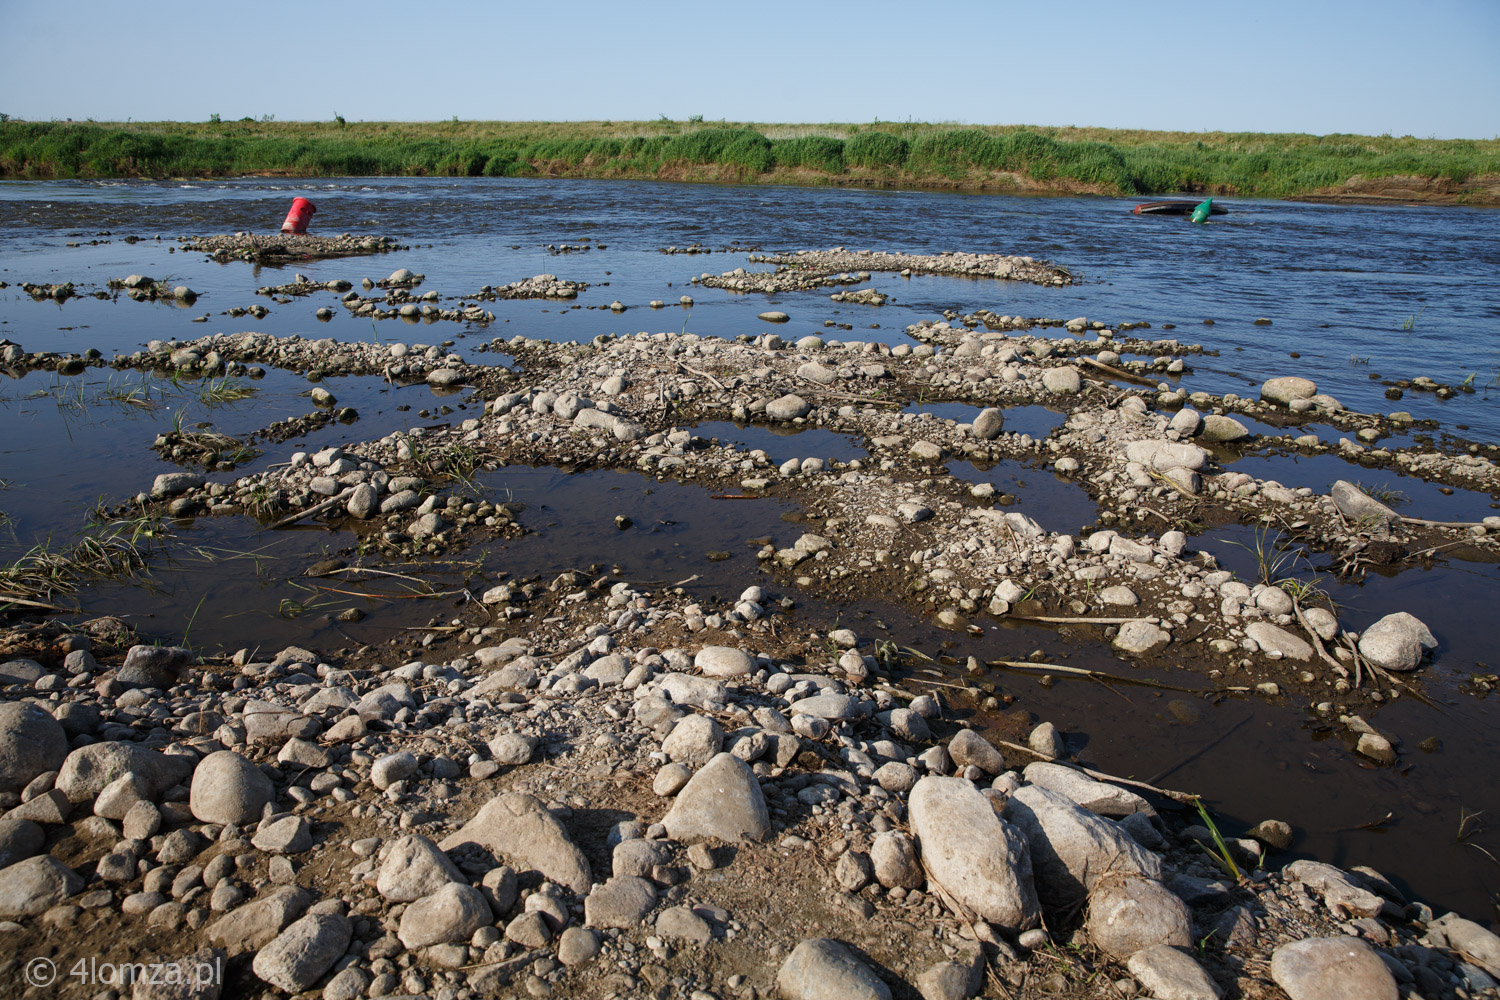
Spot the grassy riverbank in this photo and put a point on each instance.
(1015, 159)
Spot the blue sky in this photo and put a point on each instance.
(1428, 69)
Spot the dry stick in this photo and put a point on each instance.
(1119, 372)
(314, 509)
(1099, 675)
(1436, 549)
(1188, 798)
(1439, 524)
(1056, 620)
(1318, 645)
(693, 371)
(1384, 675)
(1200, 752)
(32, 604)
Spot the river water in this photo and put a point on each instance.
(1397, 292)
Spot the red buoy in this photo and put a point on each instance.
(300, 215)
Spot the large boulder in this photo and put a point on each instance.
(825, 969)
(88, 769)
(520, 827)
(972, 854)
(722, 801)
(227, 788)
(788, 407)
(1128, 913)
(1095, 796)
(301, 954)
(1397, 642)
(32, 742)
(1284, 390)
(1336, 968)
(453, 913)
(1357, 505)
(1071, 848)
(252, 926)
(31, 887)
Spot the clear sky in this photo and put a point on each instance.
(1321, 66)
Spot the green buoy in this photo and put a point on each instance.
(1202, 212)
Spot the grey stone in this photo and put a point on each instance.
(196, 980)
(896, 777)
(413, 867)
(256, 923)
(1271, 639)
(1357, 505)
(1128, 913)
(723, 801)
(153, 666)
(391, 768)
(894, 857)
(529, 929)
(680, 923)
(828, 706)
(171, 484)
(577, 946)
(89, 768)
(1397, 642)
(1170, 974)
(723, 661)
(20, 839)
(31, 887)
(969, 748)
(301, 954)
(364, 502)
(1095, 796)
(349, 983)
(1071, 848)
(453, 913)
(1045, 739)
(520, 827)
(639, 856)
(288, 835)
(1471, 940)
(21, 671)
(694, 740)
(227, 788)
(948, 981)
(976, 857)
(622, 902)
(1141, 638)
(824, 969)
(671, 779)
(988, 424)
(788, 407)
(1217, 427)
(1341, 968)
(500, 888)
(1286, 389)
(1062, 381)
(1339, 893)
(512, 748)
(32, 742)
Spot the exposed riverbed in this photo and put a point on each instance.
(687, 480)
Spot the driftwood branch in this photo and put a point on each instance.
(1187, 798)
(315, 509)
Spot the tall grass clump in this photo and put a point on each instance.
(876, 151)
(813, 152)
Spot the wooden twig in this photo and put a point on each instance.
(693, 371)
(1187, 798)
(1058, 620)
(1318, 643)
(1119, 372)
(1099, 675)
(315, 509)
(1439, 524)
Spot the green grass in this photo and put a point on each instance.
(1079, 160)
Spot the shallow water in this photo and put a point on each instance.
(1337, 282)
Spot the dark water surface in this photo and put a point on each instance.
(1397, 291)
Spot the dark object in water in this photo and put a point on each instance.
(1173, 208)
